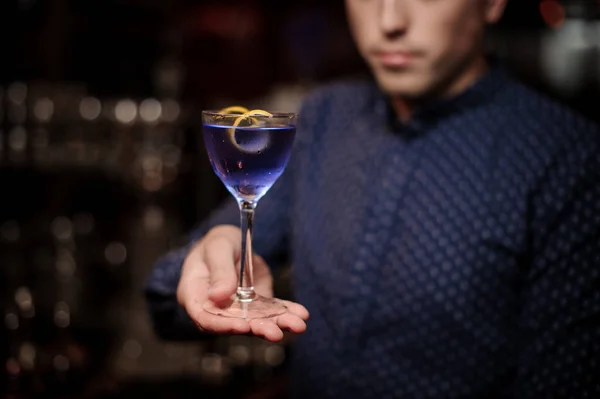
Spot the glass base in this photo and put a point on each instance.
(258, 307)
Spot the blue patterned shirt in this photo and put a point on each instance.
(456, 256)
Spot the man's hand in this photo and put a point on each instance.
(209, 273)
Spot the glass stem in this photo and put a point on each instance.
(245, 291)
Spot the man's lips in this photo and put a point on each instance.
(395, 59)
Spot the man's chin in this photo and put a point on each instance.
(402, 84)
(407, 91)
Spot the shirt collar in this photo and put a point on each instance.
(428, 116)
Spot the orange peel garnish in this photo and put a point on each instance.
(246, 115)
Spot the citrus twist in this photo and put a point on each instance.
(243, 115)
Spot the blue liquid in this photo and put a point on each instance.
(251, 164)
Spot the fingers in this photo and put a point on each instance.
(297, 309)
(272, 329)
(266, 328)
(291, 322)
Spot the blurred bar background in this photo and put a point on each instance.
(102, 170)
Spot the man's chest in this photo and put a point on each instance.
(406, 225)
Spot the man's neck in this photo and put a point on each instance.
(405, 108)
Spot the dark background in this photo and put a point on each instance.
(101, 170)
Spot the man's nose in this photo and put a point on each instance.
(394, 17)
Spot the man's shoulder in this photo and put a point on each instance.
(531, 112)
(541, 132)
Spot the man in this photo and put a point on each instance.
(442, 224)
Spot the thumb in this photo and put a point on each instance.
(220, 259)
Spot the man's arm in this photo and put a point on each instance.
(560, 323)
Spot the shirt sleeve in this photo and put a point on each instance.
(559, 355)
